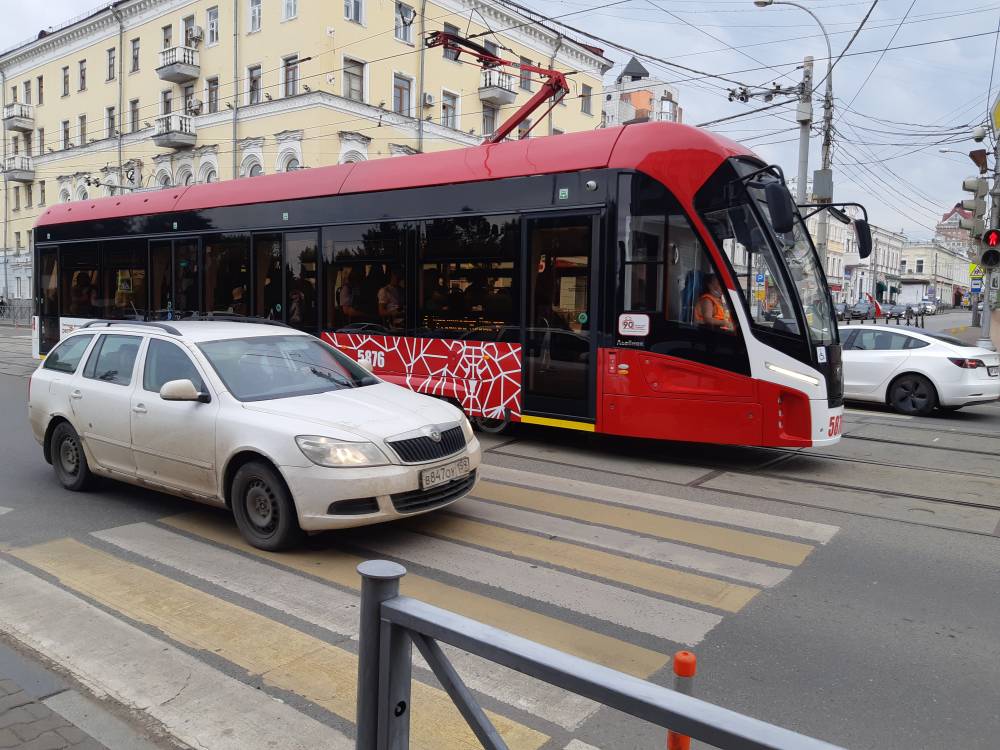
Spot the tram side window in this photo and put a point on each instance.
(469, 278)
(125, 279)
(227, 274)
(365, 277)
(267, 277)
(80, 284)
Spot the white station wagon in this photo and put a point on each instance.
(285, 430)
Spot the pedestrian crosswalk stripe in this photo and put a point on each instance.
(646, 614)
(747, 519)
(695, 588)
(191, 700)
(284, 657)
(336, 611)
(340, 568)
(645, 548)
(768, 548)
(577, 745)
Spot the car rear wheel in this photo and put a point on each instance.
(912, 394)
(68, 458)
(263, 508)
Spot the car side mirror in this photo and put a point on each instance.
(780, 206)
(182, 390)
(864, 235)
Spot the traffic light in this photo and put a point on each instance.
(977, 205)
(989, 253)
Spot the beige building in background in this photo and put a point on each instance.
(150, 94)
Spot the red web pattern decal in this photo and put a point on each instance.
(483, 376)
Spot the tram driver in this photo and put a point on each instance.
(711, 309)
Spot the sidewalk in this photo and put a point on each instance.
(15, 354)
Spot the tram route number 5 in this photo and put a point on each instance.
(836, 425)
(376, 359)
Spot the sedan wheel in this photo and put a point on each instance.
(913, 394)
(263, 508)
(68, 458)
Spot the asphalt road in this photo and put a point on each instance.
(850, 593)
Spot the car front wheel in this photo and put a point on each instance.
(263, 508)
(913, 395)
(68, 458)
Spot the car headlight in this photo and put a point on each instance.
(325, 451)
(467, 429)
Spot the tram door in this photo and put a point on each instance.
(559, 353)
(47, 298)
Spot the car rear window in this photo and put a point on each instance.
(67, 355)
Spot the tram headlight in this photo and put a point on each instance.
(792, 373)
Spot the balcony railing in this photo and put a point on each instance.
(20, 117)
(175, 131)
(179, 64)
(19, 168)
(497, 87)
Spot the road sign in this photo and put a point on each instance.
(994, 282)
(975, 272)
(977, 286)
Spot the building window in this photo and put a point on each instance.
(187, 96)
(404, 23)
(17, 235)
(27, 92)
(65, 134)
(586, 93)
(354, 79)
(168, 36)
(291, 9)
(256, 170)
(82, 126)
(524, 130)
(41, 193)
(17, 207)
(133, 115)
(111, 64)
(166, 102)
(41, 141)
(15, 145)
(13, 94)
(211, 176)
(401, 89)
(489, 120)
(212, 24)
(28, 198)
(525, 80)
(135, 56)
(291, 165)
(255, 13)
(449, 109)
(83, 75)
(213, 95)
(109, 120)
(253, 84)
(41, 89)
(354, 10)
(450, 54)
(290, 74)
(187, 28)
(920, 265)
(66, 81)
(557, 131)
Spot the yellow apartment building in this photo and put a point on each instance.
(148, 94)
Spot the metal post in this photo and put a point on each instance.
(685, 667)
(804, 114)
(379, 582)
(984, 334)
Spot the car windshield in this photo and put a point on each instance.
(270, 367)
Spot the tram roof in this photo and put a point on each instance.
(689, 155)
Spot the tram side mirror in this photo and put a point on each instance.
(864, 234)
(780, 206)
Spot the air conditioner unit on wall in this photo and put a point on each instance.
(194, 106)
(195, 35)
(428, 99)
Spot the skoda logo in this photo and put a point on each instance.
(435, 435)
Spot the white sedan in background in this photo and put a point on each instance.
(914, 371)
(286, 431)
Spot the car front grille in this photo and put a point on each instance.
(411, 502)
(420, 449)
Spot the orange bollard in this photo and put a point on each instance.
(685, 666)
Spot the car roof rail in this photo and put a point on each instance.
(150, 323)
(222, 317)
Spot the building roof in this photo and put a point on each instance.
(957, 208)
(634, 69)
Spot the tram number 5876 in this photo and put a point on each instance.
(836, 425)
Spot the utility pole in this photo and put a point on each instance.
(804, 115)
(824, 177)
(984, 332)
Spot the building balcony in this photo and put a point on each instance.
(175, 131)
(496, 87)
(19, 117)
(179, 65)
(19, 169)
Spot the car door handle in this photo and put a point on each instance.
(76, 394)
(139, 409)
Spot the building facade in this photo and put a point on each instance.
(950, 235)
(636, 96)
(841, 247)
(933, 270)
(154, 94)
(879, 273)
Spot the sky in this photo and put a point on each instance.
(893, 112)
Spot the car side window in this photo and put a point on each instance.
(165, 361)
(849, 341)
(113, 359)
(67, 355)
(875, 340)
(915, 343)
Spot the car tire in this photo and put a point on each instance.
(69, 459)
(263, 508)
(912, 394)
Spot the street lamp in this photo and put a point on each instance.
(824, 219)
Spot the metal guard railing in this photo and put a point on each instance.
(16, 312)
(391, 624)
